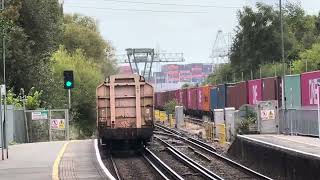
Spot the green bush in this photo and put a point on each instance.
(248, 119)
(169, 107)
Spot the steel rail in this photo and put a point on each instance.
(191, 163)
(189, 140)
(229, 161)
(173, 174)
(168, 129)
(115, 168)
(155, 167)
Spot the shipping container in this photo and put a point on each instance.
(222, 94)
(213, 98)
(177, 96)
(189, 93)
(309, 88)
(156, 103)
(199, 98)
(194, 98)
(271, 89)
(254, 91)
(292, 91)
(237, 95)
(184, 97)
(206, 98)
(158, 100)
(231, 96)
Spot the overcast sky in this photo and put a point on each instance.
(174, 28)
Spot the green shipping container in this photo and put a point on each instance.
(293, 91)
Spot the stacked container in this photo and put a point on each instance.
(213, 98)
(193, 98)
(271, 89)
(254, 91)
(237, 95)
(221, 96)
(184, 95)
(309, 88)
(199, 98)
(204, 98)
(292, 91)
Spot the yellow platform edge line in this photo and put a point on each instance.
(55, 168)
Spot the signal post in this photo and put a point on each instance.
(68, 84)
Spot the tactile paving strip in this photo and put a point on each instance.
(79, 162)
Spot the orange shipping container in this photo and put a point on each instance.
(204, 98)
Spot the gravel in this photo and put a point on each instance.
(184, 171)
(216, 165)
(130, 164)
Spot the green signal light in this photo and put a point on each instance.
(68, 83)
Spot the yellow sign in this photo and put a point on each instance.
(61, 124)
(57, 124)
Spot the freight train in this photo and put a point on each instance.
(125, 109)
(300, 91)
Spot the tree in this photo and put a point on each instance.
(87, 77)
(81, 32)
(223, 74)
(34, 33)
(309, 57)
(185, 85)
(257, 43)
(257, 39)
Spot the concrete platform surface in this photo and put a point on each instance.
(300, 144)
(79, 161)
(279, 156)
(32, 161)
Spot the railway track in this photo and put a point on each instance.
(137, 164)
(205, 155)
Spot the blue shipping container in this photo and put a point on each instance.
(213, 98)
(221, 96)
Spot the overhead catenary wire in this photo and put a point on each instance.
(138, 10)
(172, 4)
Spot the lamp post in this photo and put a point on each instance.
(4, 83)
(283, 64)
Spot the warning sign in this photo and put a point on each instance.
(57, 124)
(267, 114)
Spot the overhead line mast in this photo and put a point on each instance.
(147, 57)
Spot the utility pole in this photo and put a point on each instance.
(4, 82)
(283, 62)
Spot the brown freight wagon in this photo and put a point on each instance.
(125, 108)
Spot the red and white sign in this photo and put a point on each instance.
(267, 114)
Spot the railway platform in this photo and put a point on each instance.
(32, 161)
(59, 160)
(80, 160)
(287, 157)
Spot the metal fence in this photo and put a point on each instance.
(299, 121)
(47, 125)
